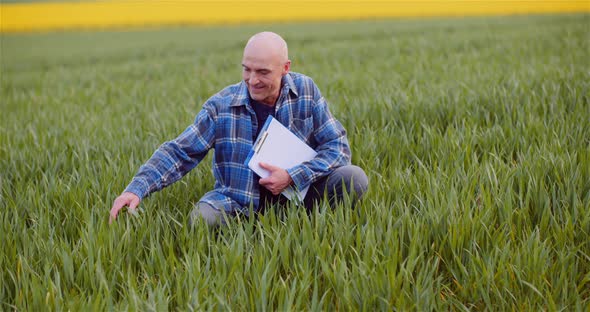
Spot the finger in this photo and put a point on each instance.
(134, 203)
(115, 210)
(271, 190)
(269, 187)
(268, 167)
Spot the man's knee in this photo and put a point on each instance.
(353, 178)
(211, 215)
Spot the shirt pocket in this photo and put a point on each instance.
(302, 128)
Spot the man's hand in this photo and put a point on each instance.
(126, 199)
(278, 180)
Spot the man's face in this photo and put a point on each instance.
(262, 72)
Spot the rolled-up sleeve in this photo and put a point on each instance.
(332, 145)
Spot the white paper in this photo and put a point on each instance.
(279, 147)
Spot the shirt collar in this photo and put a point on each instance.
(289, 85)
(242, 97)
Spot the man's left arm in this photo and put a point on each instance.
(332, 146)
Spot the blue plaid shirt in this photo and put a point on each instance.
(227, 123)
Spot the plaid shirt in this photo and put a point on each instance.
(227, 123)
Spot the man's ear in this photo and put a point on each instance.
(287, 67)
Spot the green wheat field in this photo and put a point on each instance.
(474, 132)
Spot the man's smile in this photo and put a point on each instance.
(257, 88)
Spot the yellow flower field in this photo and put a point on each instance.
(40, 16)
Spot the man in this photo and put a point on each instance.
(229, 123)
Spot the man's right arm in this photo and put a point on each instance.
(170, 162)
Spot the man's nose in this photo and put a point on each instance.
(253, 79)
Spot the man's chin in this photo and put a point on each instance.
(256, 97)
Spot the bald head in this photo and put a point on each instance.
(265, 62)
(270, 43)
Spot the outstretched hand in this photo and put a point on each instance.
(278, 180)
(126, 199)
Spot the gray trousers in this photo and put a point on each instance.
(344, 181)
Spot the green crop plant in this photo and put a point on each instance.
(474, 132)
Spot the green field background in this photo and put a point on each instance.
(474, 132)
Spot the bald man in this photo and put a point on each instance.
(230, 122)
